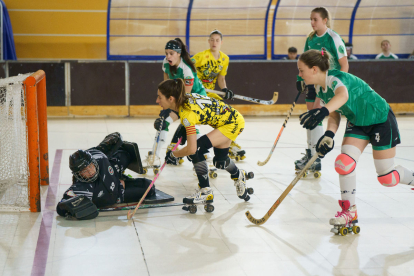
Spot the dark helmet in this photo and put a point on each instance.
(78, 161)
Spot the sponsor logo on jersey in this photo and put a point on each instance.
(349, 125)
(223, 59)
(100, 194)
(207, 56)
(193, 60)
(70, 193)
(112, 186)
(110, 170)
(186, 122)
(341, 49)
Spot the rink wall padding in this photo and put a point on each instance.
(107, 88)
(95, 84)
(55, 78)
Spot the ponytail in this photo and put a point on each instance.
(185, 55)
(174, 88)
(317, 58)
(324, 13)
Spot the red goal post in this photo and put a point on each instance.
(38, 153)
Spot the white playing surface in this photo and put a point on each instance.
(296, 240)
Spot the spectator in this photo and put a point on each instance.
(292, 54)
(348, 47)
(411, 56)
(386, 51)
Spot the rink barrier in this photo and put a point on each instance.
(121, 88)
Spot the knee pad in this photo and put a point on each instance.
(221, 158)
(388, 176)
(203, 145)
(346, 162)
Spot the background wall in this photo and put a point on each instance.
(77, 29)
(59, 29)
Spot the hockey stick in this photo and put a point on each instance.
(145, 206)
(280, 132)
(157, 140)
(248, 99)
(282, 197)
(131, 214)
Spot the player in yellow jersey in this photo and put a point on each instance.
(211, 66)
(227, 122)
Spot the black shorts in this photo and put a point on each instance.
(311, 93)
(382, 136)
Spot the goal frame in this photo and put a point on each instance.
(37, 139)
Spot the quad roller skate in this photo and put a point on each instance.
(202, 196)
(236, 152)
(152, 162)
(314, 169)
(345, 221)
(242, 191)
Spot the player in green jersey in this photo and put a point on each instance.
(321, 37)
(177, 64)
(370, 120)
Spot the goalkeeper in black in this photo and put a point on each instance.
(98, 180)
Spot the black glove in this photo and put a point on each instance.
(166, 113)
(301, 86)
(325, 143)
(171, 159)
(157, 124)
(313, 117)
(229, 94)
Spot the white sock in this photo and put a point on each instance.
(161, 142)
(316, 133)
(308, 138)
(347, 183)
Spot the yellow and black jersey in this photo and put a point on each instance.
(202, 110)
(208, 68)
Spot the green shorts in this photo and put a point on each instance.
(382, 136)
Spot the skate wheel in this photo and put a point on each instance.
(209, 208)
(181, 161)
(343, 231)
(247, 198)
(150, 153)
(213, 175)
(305, 175)
(250, 191)
(250, 175)
(237, 158)
(243, 157)
(356, 229)
(317, 174)
(145, 170)
(192, 209)
(156, 171)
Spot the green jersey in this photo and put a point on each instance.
(364, 106)
(390, 56)
(332, 42)
(185, 73)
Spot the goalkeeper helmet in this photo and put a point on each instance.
(83, 166)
